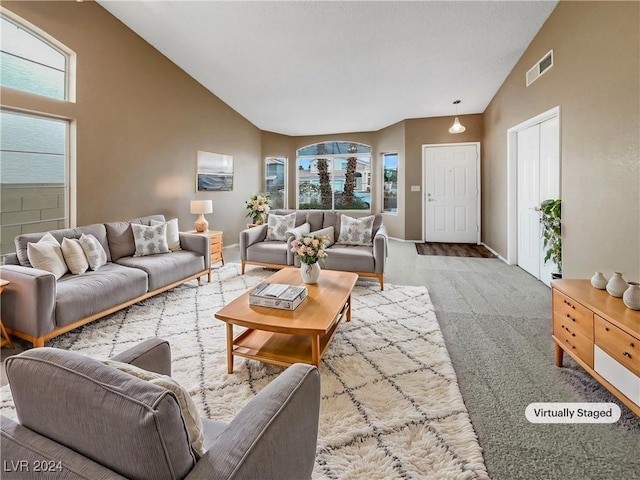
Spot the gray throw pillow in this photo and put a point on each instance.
(277, 226)
(96, 256)
(150, 240)
(173, 233)
(356, 231)
(328, 233)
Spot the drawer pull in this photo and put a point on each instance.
(571, 318)
(631, 345)
(626, 354)
(567, 303)
(606, 329)
(573, 334)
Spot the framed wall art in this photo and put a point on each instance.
(214, 172)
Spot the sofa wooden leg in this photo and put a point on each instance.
(38, 342)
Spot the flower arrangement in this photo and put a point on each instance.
(257, 208)
(310, 249)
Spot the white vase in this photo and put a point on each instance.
(631, 296)
(599, 281)
(310, 272)
(616, 285)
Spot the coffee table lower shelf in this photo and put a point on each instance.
(279, 348)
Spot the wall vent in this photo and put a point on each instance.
(544, 64)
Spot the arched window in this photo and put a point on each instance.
(30, 63)
(334, 176)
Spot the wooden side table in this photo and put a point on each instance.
(215, 237)
(4, 339)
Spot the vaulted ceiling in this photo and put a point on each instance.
(306, 68)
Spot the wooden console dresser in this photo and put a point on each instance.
(601, 334)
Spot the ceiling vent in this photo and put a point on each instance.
(544, 64)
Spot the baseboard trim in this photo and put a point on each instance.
(494, 252)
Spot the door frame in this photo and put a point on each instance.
(512, 177)
(424, 183)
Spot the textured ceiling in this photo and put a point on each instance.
(304, 68)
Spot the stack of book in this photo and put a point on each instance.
(277, 295)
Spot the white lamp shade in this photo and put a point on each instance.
(201, 206)
(457, 127)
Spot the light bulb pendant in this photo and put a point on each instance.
(457, 127)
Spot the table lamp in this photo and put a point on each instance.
(200, 207)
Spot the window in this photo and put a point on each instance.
(30, 64)
(35, 166)
(33, 175)
(390, 182)
(275, 181)
(334, 176)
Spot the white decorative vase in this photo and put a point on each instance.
(599, 281)
(616, 285)
(631, 296)
(310, 272)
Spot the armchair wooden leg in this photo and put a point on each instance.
(243, 267)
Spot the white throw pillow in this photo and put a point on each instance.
(74, 256)
(46, 255)
(356, 231)
(93, 250)
(277, 226)
(150, 240)
(173, 233)
(192, 419)
(328, 233)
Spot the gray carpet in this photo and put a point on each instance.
(496, 320)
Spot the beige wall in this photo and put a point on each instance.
(424, 131)
(595, 81)
(390, 140)
(140, 121)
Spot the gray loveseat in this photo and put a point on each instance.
(366, 261)
(37, 307)
(82, 419)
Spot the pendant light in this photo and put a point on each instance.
(457, 127)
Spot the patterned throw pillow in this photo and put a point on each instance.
(173, 233)
(150, 240)
(190, 414)
(278, 225)
(74, 256)
(96, 256)
(356, 231)
(46, 255)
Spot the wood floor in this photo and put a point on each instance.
(453, 250)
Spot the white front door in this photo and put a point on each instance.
(452, 193)
(538, 172)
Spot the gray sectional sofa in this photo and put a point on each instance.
(37, 307)
(366, 261)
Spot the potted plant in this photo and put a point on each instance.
(552, 233)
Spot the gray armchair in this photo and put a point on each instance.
(82, 419)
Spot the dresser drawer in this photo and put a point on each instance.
(216, 248)
(573, 340)
(619, 344)
(216, 240)
(579, 316)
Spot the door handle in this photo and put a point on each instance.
(429, 199)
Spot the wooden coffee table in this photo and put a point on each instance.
(284, 337)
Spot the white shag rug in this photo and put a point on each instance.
(391, 407)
